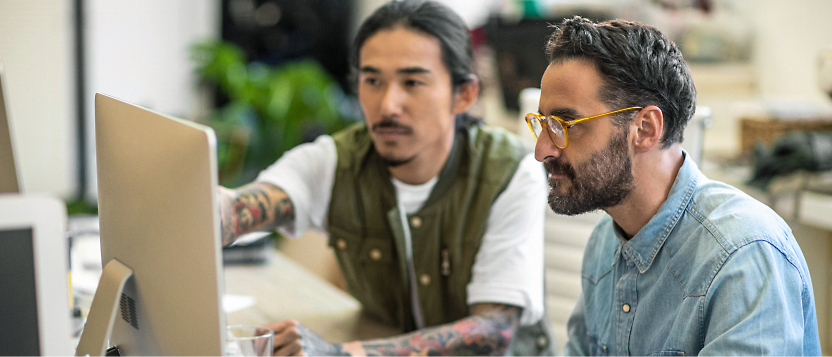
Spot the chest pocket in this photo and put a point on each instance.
(596, 348)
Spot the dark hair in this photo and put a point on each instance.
(428, 17)
(638, 64)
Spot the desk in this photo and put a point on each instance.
(285, 290)
(282, 288)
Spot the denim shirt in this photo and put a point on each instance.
(714, 272)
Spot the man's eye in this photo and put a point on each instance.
(412, 83)
(370, 80)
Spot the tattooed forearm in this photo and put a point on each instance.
(314, 345)
(255, 206)
(488, 331)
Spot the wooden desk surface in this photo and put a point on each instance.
(285, 290)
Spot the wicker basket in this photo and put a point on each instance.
(768, 130)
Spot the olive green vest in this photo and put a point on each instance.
(367, 235)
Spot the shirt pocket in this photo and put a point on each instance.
(668, 353)
(596, 348)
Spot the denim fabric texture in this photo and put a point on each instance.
(714, 272)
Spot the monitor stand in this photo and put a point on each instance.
(104, 308)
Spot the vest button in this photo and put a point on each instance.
(375, 254)
(341, 244)
(541, 341)
(424, 279)
(415, 222)
(626, 308)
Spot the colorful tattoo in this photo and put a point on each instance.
(488, 331)
(314, 345)
(252, 207)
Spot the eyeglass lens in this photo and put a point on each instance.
(536, 127)
(555, 128)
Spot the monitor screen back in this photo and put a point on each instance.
(157, 177)
(8, 168)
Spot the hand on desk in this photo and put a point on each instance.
(288, 341)
(488, 331)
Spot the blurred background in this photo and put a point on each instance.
(251, 67)
(270, 74)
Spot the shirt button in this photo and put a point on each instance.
(424, 279)
(415, 222)
(626, 308)
(341, 244)
(375, 254)
(541, 341)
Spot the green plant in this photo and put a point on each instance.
(270, 109)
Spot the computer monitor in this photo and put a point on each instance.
(34, 292)
(9, 180)
(160, 243)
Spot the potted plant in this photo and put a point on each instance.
(269, 109)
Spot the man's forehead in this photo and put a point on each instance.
(569, 88)
(401, 50)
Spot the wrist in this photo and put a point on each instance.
(354, 348)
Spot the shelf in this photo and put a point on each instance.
(815, 210)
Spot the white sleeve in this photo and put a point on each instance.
(509, 265)
(306, 173)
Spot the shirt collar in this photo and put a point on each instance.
(645, 245)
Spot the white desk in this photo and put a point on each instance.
(285, 290)
(282, 289)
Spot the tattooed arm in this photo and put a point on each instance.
(488, 331)
(256, 206)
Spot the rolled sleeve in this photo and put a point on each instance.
(306, 173)
(509, 265)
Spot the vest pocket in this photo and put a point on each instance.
(376, 251)
(372, 278)
(347, 247)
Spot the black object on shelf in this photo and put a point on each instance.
(255, 251)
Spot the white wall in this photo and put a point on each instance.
(36, 48)
(789, 36)
(138, 51)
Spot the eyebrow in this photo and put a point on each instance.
(406, 70)
(562, 112)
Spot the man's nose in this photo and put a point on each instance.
(391, 100)
(545, 148)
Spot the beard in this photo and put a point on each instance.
(390, 160)
(393, 162)
(605, 180)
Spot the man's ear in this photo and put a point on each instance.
(649, 124)
(466, 95)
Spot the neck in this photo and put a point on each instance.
(426, 165)
(654, 173)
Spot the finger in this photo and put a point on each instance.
(282, 325)
(286, 337)
(294, 349)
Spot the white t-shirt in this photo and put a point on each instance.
(509, 264)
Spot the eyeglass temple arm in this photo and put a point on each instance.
(576, 121)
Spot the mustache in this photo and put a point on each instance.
(553, 166)
(392, 124)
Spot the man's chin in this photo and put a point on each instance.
(393, 161)
(562, 203)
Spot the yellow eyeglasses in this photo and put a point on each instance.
(557, 126)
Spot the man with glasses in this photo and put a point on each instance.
(680, 265)
(436, 220)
